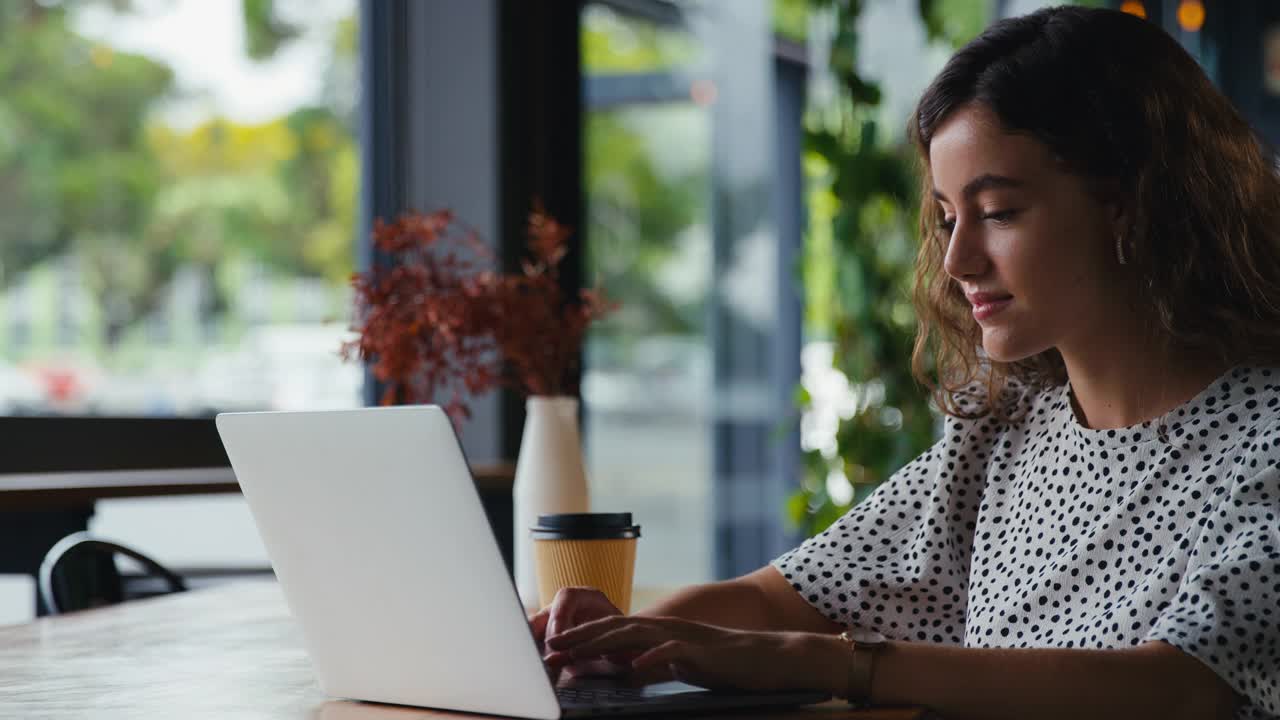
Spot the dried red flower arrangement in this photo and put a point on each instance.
(437, 322)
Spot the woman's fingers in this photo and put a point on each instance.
(538, 624)
(572, 637)
(688, 671)
(660, 648)
(655, 664)
(660, 655)
(649, 676)
(559, 615)
(620, 638)
(573, 605)
(607, 666)
(674, 660)
(587, 631)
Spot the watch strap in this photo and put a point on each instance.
(861, 667)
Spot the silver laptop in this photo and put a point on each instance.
(376, 532)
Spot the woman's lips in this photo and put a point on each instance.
(985, 307)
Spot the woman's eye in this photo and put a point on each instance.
(1000, 217)
(946, 224)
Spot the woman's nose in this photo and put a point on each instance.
(966, 257)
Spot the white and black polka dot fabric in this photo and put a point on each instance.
(1044, 533)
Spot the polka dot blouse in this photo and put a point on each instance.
(1044, 533)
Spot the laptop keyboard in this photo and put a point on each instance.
(599, 696)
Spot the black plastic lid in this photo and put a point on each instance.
(585, 526)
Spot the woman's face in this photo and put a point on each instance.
(1032, 249)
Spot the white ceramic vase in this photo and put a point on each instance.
(550, 478)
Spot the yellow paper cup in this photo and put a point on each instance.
(586, 550)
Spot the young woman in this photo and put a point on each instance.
(1097, 533)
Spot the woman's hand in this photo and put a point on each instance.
(570, 608)
(706, 655)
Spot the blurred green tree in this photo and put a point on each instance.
(858, 266)
(638, 216)
(93, 175)
(77, 173)
(645, 210)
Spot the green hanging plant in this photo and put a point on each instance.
(859, 262)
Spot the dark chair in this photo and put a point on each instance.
(79, 572)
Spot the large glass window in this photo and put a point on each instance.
(647, 385)
(180, 205)
(177, 226)
(681, 420)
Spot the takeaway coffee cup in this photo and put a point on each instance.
(586, 550)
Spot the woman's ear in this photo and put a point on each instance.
(1121, 219)
(1116, 204)
(1116, 207)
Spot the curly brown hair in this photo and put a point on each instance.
(1117, 101)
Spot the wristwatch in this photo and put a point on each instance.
(865, 645)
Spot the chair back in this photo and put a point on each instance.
(79, 572)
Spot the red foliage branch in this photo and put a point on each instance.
(436, 320)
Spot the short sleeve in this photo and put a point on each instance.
(1227, 611)
(898, 562)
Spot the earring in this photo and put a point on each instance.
(1120, 249)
